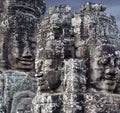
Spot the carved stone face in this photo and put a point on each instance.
(49, 81)
(22, 52)
(104, 68)
(49, 78)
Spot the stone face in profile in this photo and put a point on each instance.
(104, 68)
(49, 81)
(58, 44)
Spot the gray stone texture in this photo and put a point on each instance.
(75, 44)
(64, 62)
(18, 26)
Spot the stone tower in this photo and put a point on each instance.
(77, 61)
(64, 62)
(18, 23)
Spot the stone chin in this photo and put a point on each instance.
(22, 65)
(25, 66)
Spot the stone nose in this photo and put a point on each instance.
(27, 53)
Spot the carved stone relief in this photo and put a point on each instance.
(104, 68)
(20, 34)
(90, 57)
(56, 37)
(74, 57)
(18, 28)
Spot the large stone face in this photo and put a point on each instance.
(80, 52)
(18, 25)
(51, 46)
(63, 63)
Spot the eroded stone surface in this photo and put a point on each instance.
(18, 25)
(16, 87)
(77, 40)
(63, 63)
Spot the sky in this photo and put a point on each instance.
(113, 6)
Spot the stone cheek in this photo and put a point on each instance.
(50, 81)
